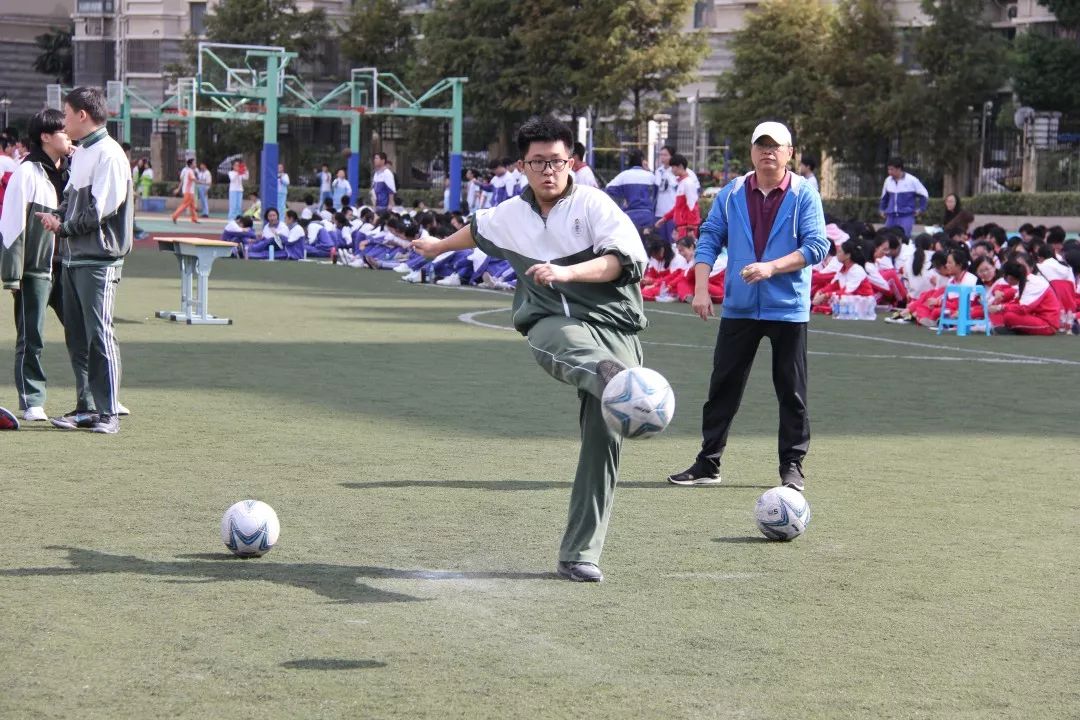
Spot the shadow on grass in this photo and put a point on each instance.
(743, 540)
(331, 664)
(340, 583)
(511, 485)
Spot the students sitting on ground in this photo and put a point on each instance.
(850, 280)
(1034, 311)
(239, 230)
(273, 236)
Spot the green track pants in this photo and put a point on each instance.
(569, 349)
(89, 295)
(31, 304)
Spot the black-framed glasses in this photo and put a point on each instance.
(539, 166)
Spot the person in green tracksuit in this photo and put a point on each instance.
(579, 260)
(28, 249)
(94, 227)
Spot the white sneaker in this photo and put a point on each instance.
(35, 413)
(412, 277)
(502, 285)
(121, 410)
(402, 268)
(452, 280)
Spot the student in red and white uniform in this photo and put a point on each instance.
(667, 287)
(916, 270)
(851, 278)
(882, 273)
(1060, 276)
(660, 255)
(682, 282)
(997, 290)
(823, 273)
(1035, 311)
(685, 213)
(927, 308)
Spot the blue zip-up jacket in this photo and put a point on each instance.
(905, 196)
(799, 225)
(634, 190)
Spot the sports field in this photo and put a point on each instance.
(420, 462)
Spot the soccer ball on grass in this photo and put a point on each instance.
(250, 528)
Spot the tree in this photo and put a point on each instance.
(1067, 12)
(55, 59)
(778, 71)
(1046, 72)
(861, 106)
(478, 39)
(267, 22)
(378, 35)
(963, 69)
(644, 57)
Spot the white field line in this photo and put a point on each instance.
(1031, 359)
(469, 318)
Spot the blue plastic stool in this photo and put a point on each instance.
(963, 322)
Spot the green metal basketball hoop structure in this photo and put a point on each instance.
(251, 82)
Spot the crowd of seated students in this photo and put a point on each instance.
(1031, 278)
(362, 238)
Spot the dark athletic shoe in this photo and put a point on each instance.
(107, 425)
(791, 475)
(579, 571)
(695, 475)
(608, 369)
(8, 421)
(76, 419)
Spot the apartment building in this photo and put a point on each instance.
(22, 90)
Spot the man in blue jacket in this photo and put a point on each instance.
(772, 224)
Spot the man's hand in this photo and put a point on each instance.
(428, 247)
(756, 272)
(49, 221)
(546, 274)
(702, 304)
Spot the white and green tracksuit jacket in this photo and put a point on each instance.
(27, 246)
(97, 209)
(584, 224)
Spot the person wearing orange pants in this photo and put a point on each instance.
(187, 187)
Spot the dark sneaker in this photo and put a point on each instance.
(76, 419)
(106, 424)
(607, 369)
(579, 571)
(8, 421)
(695, 475)
(1002, 330)
(791, 475)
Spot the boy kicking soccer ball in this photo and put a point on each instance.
(578, 260)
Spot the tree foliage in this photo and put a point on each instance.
(477, 39)
(778, 73)
(860, 109)
(378, 35)
(642, 56)
(1046, 72)
(55, 58)
(962, 71)
(1067, 12)
(562, 56)
(267, 22)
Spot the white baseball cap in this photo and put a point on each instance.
(775, 130)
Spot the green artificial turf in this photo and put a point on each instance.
(420, 467)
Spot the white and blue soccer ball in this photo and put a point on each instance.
(782, 513)
(638, 403)
(250, 528)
